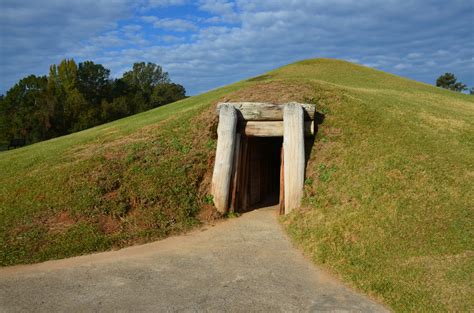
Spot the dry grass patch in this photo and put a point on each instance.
(449, 124)
(277, 91)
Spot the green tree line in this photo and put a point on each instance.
(449, 81)
(74, 97)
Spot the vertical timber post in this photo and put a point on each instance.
(221, 177)
(293, 149)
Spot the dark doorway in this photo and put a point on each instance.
(260, 184)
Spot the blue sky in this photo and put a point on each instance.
(209, 43)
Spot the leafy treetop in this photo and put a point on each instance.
(449, 81)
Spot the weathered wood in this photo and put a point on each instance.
(257, 111)
(221, 177)
(271, 128)
(282, 182)
(235, 174)
(293, 144)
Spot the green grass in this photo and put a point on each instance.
(389, 202)
(388, 195)
(126, 182)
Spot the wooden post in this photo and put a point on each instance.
(282, 182)
(221, 177)
(293, 145)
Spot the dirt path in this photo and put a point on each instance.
(241, 265)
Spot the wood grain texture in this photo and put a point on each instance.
(293, 145)
(271, 128)
(221, 177)
(259, 111)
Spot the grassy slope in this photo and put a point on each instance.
(388, 192)
(128, 181)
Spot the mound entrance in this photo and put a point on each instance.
(260, 155)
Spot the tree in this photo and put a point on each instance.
(144, 77)
(471, 91)
(74, 97)
(63, 82)
(3, 122)
(116, 109)
(93, 82)
(449, 81)
(167, 93)
(22, 110)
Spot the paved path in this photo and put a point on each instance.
(245, 264)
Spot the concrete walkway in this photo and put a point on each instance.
(245, 264)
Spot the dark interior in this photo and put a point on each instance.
(261, 184)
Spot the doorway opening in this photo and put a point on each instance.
(260, 176)
(251, 168)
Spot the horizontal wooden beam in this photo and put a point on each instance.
(270, 128)
(258, 111)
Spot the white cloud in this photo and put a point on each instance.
(165, 3)
(401, 66)
(248, 37)
(149, 18)
(132, 28)
(35, 34)
(414, 55)
(224, 11)
(220, 7)
(171, 38)
(178, 25)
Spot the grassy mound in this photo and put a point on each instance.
(388, 203)
(389, 192)
(130, 181)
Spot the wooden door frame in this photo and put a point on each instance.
(237, 121)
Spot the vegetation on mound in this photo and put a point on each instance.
(388, 203)
(76, 97)
(130, 181)
(389, 189)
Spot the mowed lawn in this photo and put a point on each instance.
(388, 194)
(130, 181)
(390, 187)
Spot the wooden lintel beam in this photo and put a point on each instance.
(258, 111)
(270, 128)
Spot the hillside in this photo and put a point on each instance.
(388, 203)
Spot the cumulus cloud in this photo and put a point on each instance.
(222, 11)
(34, 34)
(177, 25)
(165, 3)
(214, 42)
